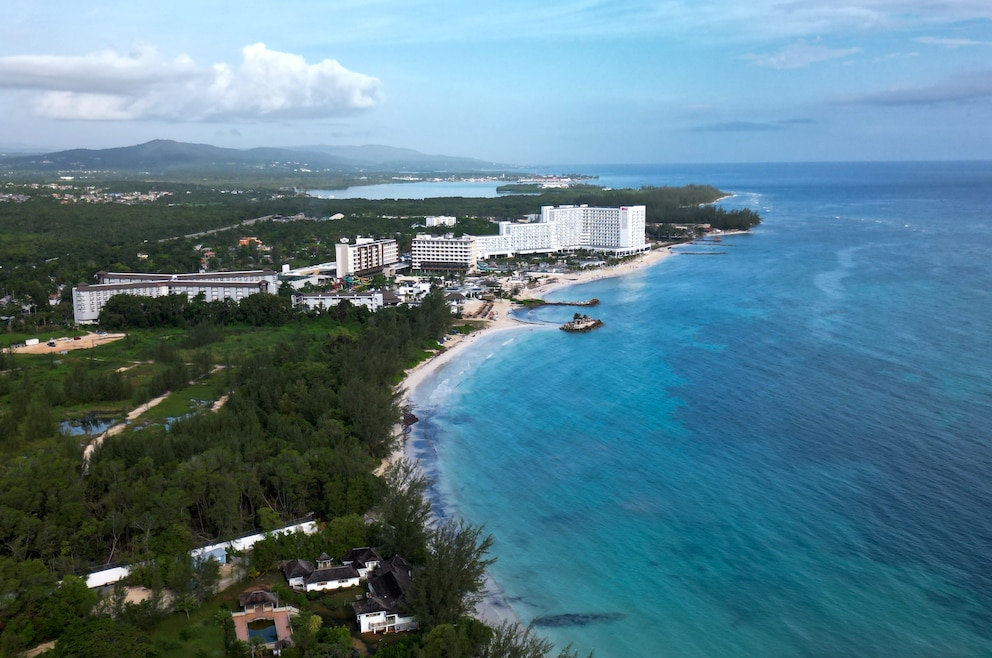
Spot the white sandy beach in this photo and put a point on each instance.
(494, 609)
(504, 321)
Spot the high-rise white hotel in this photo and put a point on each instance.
(446, 253)
(365, 256)
(614, 231)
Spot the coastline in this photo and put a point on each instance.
(494, 608)
(505, 321)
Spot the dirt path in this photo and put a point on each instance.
(41, 648)
(114, 430)
(119, 427)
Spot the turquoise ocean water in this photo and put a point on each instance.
(780, 450)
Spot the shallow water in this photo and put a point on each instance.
(778, 451)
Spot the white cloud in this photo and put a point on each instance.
(799, 55)
(957, 90)
(448, 21)
(103, 72)
(952, 43)
(894, 56)
(145, 85)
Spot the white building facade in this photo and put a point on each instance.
(88, 300)
(445, 253)
(440, 220)
(617, 231)
(365, 256)
(320, 301)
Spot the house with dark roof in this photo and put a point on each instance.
(303, 575)
(364, 559)
(296, 572)
(259, 600)
(263, 619)
(384, 608)
(456, 301)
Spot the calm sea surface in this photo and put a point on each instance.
(783, 449)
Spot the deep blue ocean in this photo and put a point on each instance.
(782, 449)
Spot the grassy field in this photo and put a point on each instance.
(200, 636)
(199, 396)
(139, 357)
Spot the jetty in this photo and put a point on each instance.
(535, 303)
(591, 302)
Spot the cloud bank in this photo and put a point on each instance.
(952, 43)
(799, 55)
(145, 85)
(753, 126)
(957, 90)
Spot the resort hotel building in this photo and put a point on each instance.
(440, 220)
(613, 231)
(89, 300)
(444, 253)
(365, 256)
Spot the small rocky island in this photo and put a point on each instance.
(581, 323)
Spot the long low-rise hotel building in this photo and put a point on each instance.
(615, 231)
(88, 300)
(321, 301)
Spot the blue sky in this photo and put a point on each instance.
(582, 81)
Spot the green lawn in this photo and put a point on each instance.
(201, 636)
(197, 397)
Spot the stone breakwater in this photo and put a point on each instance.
(582, 324)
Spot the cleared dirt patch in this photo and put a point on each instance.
(64, 344)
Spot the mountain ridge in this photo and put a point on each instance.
(170, 156)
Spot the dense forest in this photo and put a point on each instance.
(310, 413)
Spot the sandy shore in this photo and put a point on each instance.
(494, 608)
(504, 321)
(585, 276)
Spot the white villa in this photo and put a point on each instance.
(383, 610)
(302, 575)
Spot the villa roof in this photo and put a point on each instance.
(258, 597)
(392, 579)
(387, 588)
(373, 604)
(346, 572)
(361, 556)
(297, 568)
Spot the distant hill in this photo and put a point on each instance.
(394, 159)
(171, 157)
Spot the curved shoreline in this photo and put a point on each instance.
(420, 381)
